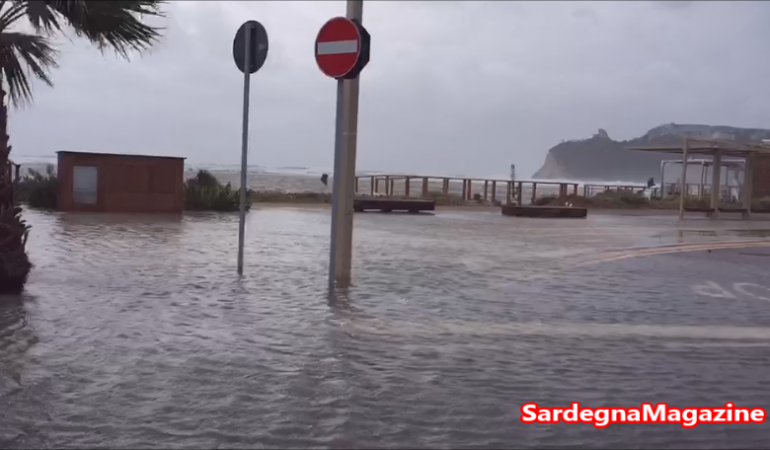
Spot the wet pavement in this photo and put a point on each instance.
(135, 331)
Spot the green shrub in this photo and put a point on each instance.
(38, 190)
(204, 179)
(291, 197)
(545, 200)
(606, 199)
(689, 202)
(620, 199)
(206, 193)
(762, 204)
(447, 200)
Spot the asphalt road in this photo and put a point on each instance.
(662, 286)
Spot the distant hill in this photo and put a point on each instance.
(601, 158)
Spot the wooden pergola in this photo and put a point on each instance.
(737, 166)
(716, 149)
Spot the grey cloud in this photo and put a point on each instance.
(675, 4)
(452, 87)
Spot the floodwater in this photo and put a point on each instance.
(136, 332)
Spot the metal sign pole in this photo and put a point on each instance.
(336, 184)
(348, 166)
(337, 59)
(244, 147)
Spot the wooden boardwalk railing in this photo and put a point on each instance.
(489, 190)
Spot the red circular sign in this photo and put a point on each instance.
(338, 47)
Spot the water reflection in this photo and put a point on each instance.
(341, 302)
(13, 322)
(159, 229)
(16, 339)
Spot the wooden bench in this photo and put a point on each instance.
(708, 211)
(544, 211)
(390, 204)
(743, 211)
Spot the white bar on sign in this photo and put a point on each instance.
(337, 47)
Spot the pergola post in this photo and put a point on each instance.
(662, 183)
(683, 179)
(748, 182)
(702, 178)
(716, 182)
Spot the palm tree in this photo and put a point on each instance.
(112, 24)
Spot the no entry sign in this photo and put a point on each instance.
(342, 48)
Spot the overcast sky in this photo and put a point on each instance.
(452, 87)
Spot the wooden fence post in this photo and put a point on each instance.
(494, 191)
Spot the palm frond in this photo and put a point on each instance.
(21, 55)
(39, 15)
(112, 24)
(10, 13)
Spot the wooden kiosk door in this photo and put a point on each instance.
(85, 186)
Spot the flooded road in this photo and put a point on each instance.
(136, 332)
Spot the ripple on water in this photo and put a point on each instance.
(136, 333)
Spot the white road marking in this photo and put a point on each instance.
(742, 288)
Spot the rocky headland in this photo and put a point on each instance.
(602, 158)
